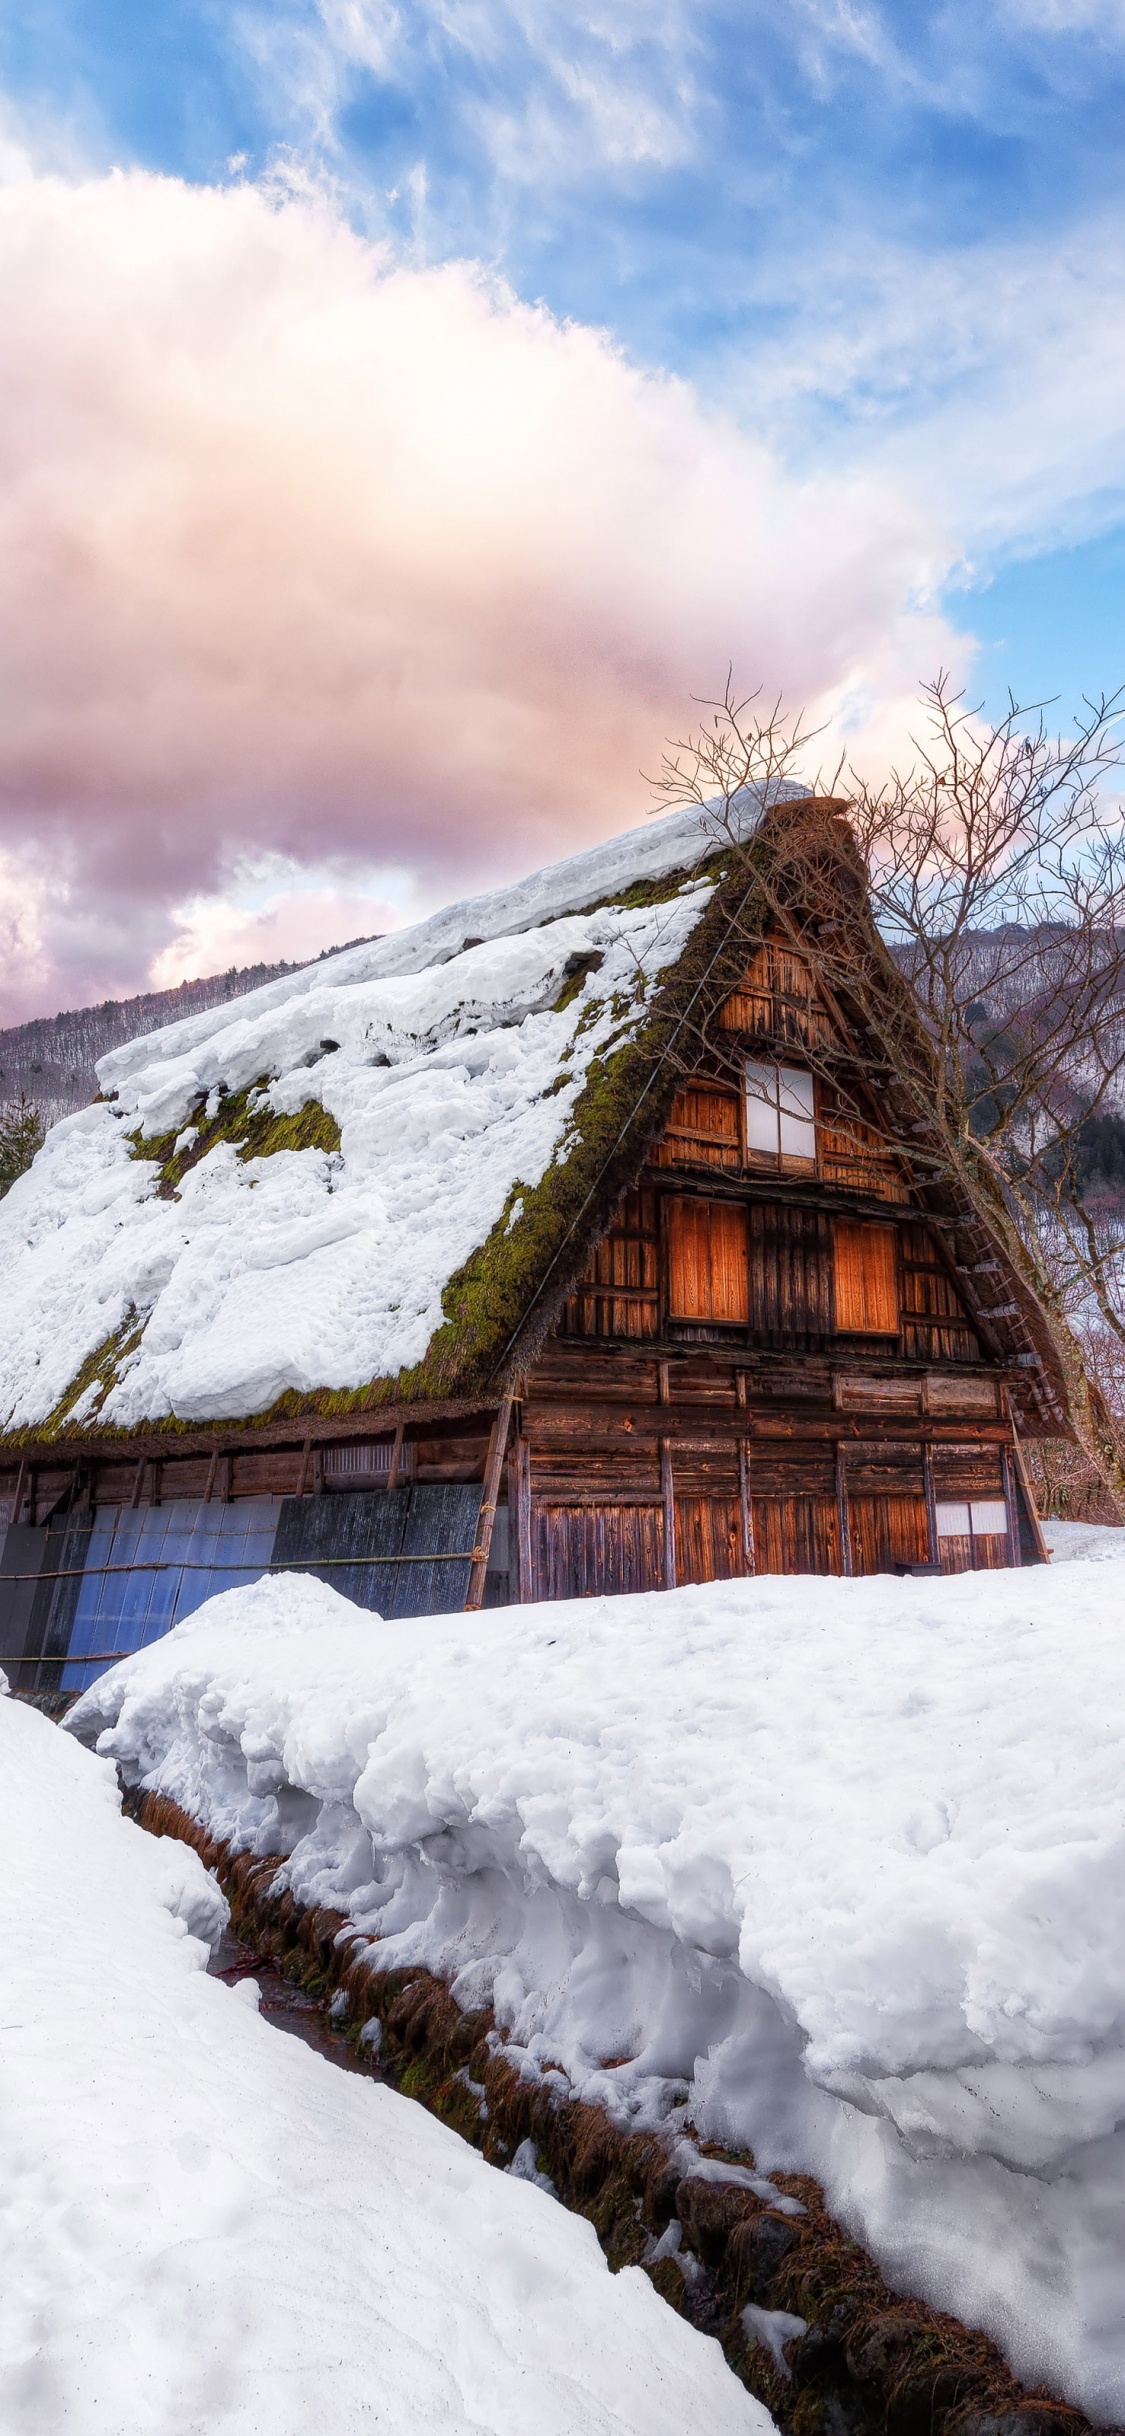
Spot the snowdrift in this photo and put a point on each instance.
(211, 2231)
(840, 1867)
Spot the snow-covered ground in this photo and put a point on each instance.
(840, 1865)
(207, 2230)
(1070, 1542)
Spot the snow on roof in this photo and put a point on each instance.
(678, 842)
(210, 2227)
(448, 1075)
(837, 1864)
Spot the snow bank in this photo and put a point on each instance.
(208, 2229)
(839, 1865)
(1092, 1542)
(453, 1076)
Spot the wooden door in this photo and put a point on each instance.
(708, 1539)
(796, 1535)
(590, 1551)
(886, 1531)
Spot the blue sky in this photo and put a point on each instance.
(830, 380)
(812, 211)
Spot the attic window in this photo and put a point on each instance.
(780, 1112)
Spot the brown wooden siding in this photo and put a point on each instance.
(935, 1324)
(592, 1551)
(618, 1294)
(708, 1539)
(777, 1000)
(796, 1535)
(887, 1530)
(790, 1275)
(850, 1153)
(704, 1130)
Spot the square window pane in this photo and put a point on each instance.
(990, 1517)
(796, 1107)
(953, 1522)
(761, 1109)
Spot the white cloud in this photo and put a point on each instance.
(307, 554)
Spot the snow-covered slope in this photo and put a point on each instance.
(452, 1075)
(840, 1865)
(208, 2230)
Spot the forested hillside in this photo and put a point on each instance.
(52, 1059)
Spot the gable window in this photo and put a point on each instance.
(780, 1112)
(866, 1276)
(708, 1269)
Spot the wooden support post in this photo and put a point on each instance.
(842, 1510)
(1015, 1553)
(497, 1449)
(523, 1521)
(302, 1476)
(1042, 1551)
(32, 1494)
(746, 1510)
(668, 1494)
(138, 1483)
(395, 1465)
(226, 1480)
(21, 1491)
(318, 1472)
(155, 1481)
(931, 1503)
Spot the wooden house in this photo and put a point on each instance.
(695, 1309)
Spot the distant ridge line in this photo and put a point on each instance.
(51, 1059)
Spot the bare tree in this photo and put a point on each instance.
(995, 869)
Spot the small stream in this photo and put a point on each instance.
(286, 2005)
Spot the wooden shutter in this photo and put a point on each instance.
(866, 1279)
(707, 1261)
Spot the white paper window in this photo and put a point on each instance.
(780, 1111)
(984, 1518)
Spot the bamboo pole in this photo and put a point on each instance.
(497, 1449)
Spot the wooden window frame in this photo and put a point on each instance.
(778, 1162)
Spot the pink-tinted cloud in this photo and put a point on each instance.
(306, 553)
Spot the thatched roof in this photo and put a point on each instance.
(364, 1186)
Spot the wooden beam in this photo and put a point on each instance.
(746, 1510)
(302, 1476)
(395, 1465)
(1015, 1553)
(931, 1502)
(523, 1520)
(842, 1515)
(1042, 1551)
(668, 1501)
(497, 1449)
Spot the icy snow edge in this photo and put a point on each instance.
(208, 2228)
(838, 1865)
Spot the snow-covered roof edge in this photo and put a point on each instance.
(652, 850)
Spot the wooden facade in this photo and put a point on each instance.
(776, 1357)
